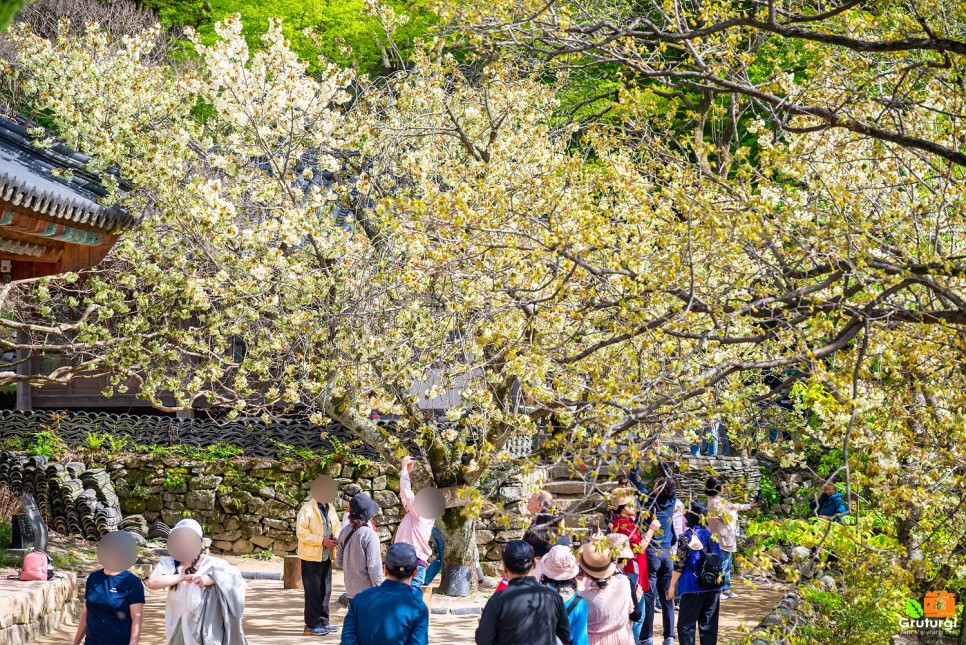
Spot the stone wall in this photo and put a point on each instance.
(249, 504)
(31, 610)
(743, 476)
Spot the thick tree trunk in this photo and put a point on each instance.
(459, 571)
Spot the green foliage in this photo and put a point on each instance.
(345, 33)
(117, 444)
(265, 555)
(47, 443)
(95, 440)
(9, 9)
(216, 452)
(769, 494)
(830, 461)
(834, 617)
(832, 536)
(6, 535)
(221, 450)
(174, 480)
(343, 453)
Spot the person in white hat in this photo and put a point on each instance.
(560, 572)
(186, 572)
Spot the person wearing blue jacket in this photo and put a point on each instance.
(699, 605)
(830, 504)
(658, 501)
(391, 612)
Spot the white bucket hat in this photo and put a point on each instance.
(188, 523)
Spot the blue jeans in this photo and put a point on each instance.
(646, 597)
(727, 563)
(659, 569)
(708, 447)
(710, 441)
(439, 543)
(419, 579)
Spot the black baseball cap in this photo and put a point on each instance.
(696, 513)
(401, 558)
(362, 507)
(519, 553)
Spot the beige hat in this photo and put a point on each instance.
(596, 563)
(559, 564)
(620, 497)
(621, 544)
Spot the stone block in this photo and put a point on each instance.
(379, 483)
(484, 537)
(204, 482)
(241, 546)
(263, 541)
(287, 500)
(387, 499)
(171, 517)
(202, 500)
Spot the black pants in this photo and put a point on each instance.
(701, 610)
(659, 570)
(317, 582)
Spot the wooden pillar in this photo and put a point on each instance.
(24, 367)
(292, 573)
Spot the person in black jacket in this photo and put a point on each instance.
(526, 612)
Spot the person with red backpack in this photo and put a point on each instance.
(698, 579)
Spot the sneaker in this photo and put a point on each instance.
(315, 631)
(732, 594)
(669, 641)
(330, 629)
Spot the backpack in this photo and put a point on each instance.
(37, 565)
(709, 573)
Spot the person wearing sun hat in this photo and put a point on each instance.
(526, 612)
(624, 512)
(189, 575)
(560, 573)
(358, 553)
(609, 599)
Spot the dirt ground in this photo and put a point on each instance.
(273, 615)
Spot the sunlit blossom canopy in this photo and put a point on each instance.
(51, 218)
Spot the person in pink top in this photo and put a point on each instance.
(416, 527)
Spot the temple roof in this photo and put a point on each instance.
(26, 182)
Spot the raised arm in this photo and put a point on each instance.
(405, 485)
